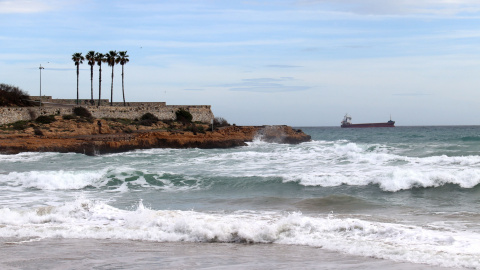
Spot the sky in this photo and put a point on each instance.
(259, 62)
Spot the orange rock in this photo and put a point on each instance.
(83, 137)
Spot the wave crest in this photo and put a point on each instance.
(96, 220)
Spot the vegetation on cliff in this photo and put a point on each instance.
(12, 96)
(148, 119)
(82, 112)
(45, 119)
(183, 116)
(220, 122)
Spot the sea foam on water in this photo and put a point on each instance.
(96, 220)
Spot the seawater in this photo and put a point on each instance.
(404, 194)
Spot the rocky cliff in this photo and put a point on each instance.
(87, 138)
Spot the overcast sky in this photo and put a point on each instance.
(294, 62)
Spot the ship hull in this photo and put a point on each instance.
(369, 125)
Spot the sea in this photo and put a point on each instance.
(375, 198)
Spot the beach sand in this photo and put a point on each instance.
(113, 254)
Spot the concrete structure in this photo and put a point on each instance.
(200, 113)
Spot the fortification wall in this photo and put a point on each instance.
(200, 113)
(49, 101)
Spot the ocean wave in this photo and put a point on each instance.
(470, 138)
(53, 180)
(89, 219)
(25, 157)
(260, 165)
(402, 179)
(113, 180)
(393, 180)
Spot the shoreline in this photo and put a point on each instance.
(125, 254)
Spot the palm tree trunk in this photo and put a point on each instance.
(99, 84)
(123, 89)
(78, 73)
(91, 83)
(111, 94)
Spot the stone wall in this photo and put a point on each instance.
(49, 101)
(200, 113)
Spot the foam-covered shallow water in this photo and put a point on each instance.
(406, 195)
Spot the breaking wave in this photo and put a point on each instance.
(317, 163)
(89, 219)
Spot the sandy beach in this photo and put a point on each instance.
(113, 254)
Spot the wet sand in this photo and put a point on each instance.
(113, 254)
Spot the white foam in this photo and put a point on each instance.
(401, 179)
(54, 180)
(322, 163)
(316, 163)
(25, 157)
(90, 219)
(335, 163)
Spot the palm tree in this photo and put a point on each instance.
(99, 58)
(123, 59)
(91, 62)
(78, 59)
(111, 59)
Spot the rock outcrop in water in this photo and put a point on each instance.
(70, 136)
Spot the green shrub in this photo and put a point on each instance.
(122, 121)
(195, 128)
(13, 96)
(183, 116)
(146, 122)
(148, 119)
(220, 122)
(20, 125)
(149, 116)
(200, 129)
(69, 117)
(45, 119)
(82, 112)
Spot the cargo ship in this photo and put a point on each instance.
(347, 123)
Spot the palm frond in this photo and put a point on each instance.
(78, 58)
(99, 58)
(111, 58)
(90, 56)
(123, 58)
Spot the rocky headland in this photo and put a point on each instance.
(102, 136)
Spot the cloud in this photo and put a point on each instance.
(399, 7)
(282, 66)
(266, 85)
(411, 94)
(25, 6)
(194, 89)
(211, 44)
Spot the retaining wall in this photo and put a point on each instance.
(200, 113)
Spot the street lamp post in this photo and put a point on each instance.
(40, 68)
